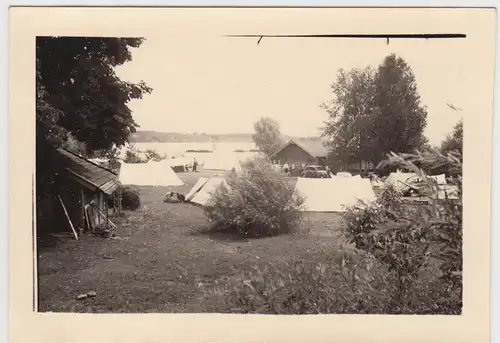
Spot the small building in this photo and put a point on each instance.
(79, 197)
(306, 152)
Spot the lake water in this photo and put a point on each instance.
(226, 149)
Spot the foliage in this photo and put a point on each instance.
(131, 199)
(454, 141)
(151, 154)
(257, 202)
(81, 104)
(79, 92)
(406, 260)
(408, 239)
(75, 146)
(350, 282)
(267, 135)
(374, 112)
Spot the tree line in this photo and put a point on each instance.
(373, 111)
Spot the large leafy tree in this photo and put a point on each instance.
(81, 103)
(78, 91)
(374, 112)
(267, 136)
(401, 117)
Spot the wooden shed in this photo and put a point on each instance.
(81, 192)
(306, 152)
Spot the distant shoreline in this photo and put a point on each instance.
(173, 137)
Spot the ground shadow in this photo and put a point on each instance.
(229, 234)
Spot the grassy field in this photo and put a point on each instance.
(160, 262)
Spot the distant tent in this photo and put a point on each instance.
(148, 174)
(344, 174)
(201, 192)
(447, 191)
(440, 179)
(223, 161)
(332, 195)
(399, 179)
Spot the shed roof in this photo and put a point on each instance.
(91, 173)
(315, 148)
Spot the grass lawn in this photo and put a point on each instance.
(160, 262)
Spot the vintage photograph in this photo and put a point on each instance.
(237, 166)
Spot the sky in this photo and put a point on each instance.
(205, 82)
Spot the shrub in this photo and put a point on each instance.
(130, 198)
(258, 202)
(409, 239)
(151, 154)
(132, 157)
(352, 281)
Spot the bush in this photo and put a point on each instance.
(151, 154)
(258, 202)
(407, 260)
(410, 239)
(352, 282)
(130, 198)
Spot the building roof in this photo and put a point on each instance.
(90, 173)
(315, 148)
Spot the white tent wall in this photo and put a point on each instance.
(332, 195)
(199, 184)
(148, 174)
(203, 195)
(440, 179)
(395, 179)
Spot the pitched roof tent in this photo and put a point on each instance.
(315, 148)
(92, 174)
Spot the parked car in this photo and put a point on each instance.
(315, 172)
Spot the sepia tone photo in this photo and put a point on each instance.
(256, 161)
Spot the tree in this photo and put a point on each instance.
(454, 141)
(374, 112)
(350, 115)
(267, 136)
(81, 103)
(78, 91)
(401, 119)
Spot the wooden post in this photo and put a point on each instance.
(67, 217)
(83, 206)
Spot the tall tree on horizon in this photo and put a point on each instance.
(374, 112)
(267, 136)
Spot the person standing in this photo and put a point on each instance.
(195, 165)
(286, 169)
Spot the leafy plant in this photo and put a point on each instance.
(131, 199)
(258, 202)
(410, 238)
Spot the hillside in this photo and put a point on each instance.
(155, 136)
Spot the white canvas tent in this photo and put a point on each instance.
(332, 195)
(447, 191)
(440, 179)
(201, 192)
(148, 174)
(344, 174)
(199, 184)
(398, 179)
